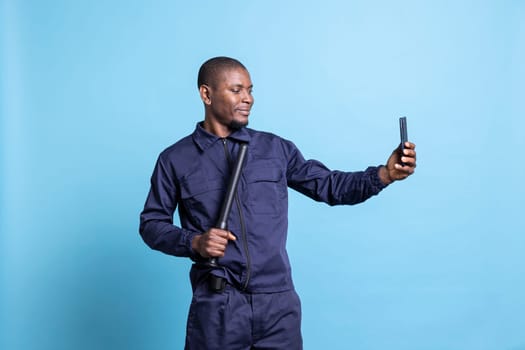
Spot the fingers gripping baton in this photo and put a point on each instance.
(222, 222)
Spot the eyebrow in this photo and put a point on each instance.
(241, 86)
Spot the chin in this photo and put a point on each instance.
(237, 124)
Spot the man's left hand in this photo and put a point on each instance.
(400, 165)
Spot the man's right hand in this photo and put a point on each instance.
(212, 243)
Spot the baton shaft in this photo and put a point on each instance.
(222, 222)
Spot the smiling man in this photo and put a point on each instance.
(227, 96)
(248, 301)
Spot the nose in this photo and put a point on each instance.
(247, 98)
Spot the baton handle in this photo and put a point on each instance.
(222, 222)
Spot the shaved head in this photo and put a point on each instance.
(212, 68)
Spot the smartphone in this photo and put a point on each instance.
(403, 132)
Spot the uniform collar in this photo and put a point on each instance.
(204, 139)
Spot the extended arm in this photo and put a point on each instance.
(315, 180)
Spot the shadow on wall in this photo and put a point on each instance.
(100, 287)
(119, 288)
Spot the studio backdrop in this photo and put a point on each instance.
(92, 91)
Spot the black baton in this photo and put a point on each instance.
(222, 223)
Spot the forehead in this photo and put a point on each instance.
(234, 76)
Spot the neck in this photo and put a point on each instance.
(216, 129)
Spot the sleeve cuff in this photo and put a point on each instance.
(375, 180)
(188, 238)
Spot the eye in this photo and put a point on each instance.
(236, 91)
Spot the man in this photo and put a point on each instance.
(256, 307)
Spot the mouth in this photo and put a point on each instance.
(244, 112)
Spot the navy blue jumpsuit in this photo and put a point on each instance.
(259, 308)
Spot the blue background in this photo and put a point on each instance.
(92, 91)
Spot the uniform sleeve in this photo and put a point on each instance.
(156, 220)
(315, 180)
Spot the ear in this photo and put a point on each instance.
(205, 92)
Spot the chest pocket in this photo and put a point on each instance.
(267, 191)
(202, 197)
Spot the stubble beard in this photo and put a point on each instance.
(237, 125)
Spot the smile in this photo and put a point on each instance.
(245, 112)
